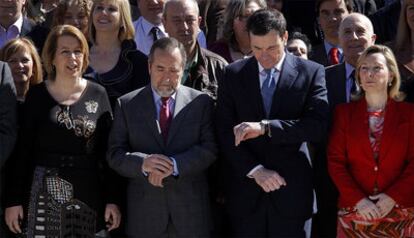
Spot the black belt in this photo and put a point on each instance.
(66, 161)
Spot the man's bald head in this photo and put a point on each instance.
(356, 33)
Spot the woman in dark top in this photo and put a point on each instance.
(61, 146)
(114, 61)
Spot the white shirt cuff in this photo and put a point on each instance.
(250, 174)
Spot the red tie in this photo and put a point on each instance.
(165, 117)
(333, 55)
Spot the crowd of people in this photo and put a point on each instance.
(206, 118)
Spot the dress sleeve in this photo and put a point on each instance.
(338, 166)
(402, 190)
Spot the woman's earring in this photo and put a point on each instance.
(390, 84)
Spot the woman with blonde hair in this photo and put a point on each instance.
(371, 153)
(25, 64)
(60, 170)
(115, 62)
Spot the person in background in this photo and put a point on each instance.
(330, 14)
(13, 22)
(298, 44)
(115, 62)
(403, 48)
(204, 68)
(235, 43)
(70, 12)
(8, 129)
(26, 69)
(149, 27)
(385, 21)
(371, 152)
(212, 18)
(25, 65)
(60, 163)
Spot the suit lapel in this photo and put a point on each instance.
(149, 111)
(390, 121)
(26, 27)
(342, 83)
(181, 100)
(287, 77)
(251, 83)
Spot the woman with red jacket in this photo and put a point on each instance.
(371, 152)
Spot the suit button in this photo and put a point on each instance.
(376, 168)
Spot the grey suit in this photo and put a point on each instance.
(183, 201)
(8, 121)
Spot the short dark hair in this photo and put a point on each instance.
(300, 36)
(348, 4)
(168, 44)
(264, 20)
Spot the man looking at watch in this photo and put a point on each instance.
(264, 135)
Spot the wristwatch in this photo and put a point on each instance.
(265, 126)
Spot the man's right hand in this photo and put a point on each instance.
(13, 216)
(268, 180)
(155, 162)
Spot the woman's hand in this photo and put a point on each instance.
(367, 209)
(13, 216)
(112, 216)
(385, 203)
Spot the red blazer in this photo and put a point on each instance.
(350, 158)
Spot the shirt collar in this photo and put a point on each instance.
(329, 46)
(147, 26)
(348, 70)
(157, 97)
(17, 24)
(278, 66)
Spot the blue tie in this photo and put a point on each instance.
(268, 88)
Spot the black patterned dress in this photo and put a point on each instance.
(60, 174)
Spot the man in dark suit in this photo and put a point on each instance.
(355, 35)
(269, 106)
(12, 21)
(162, 139)
(330, 14)
(385, 21)
(8, 126)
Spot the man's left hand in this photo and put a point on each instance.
(247, 130)
(155, 177)
(112, 216)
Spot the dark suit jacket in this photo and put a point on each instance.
(298, 115)
(336, 85)
(350, 157)
(319, 55)
(385, 22)
(8, 117)
(366, 7)
(26, 27)
(190, 142)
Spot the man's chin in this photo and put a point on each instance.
(165, 93)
